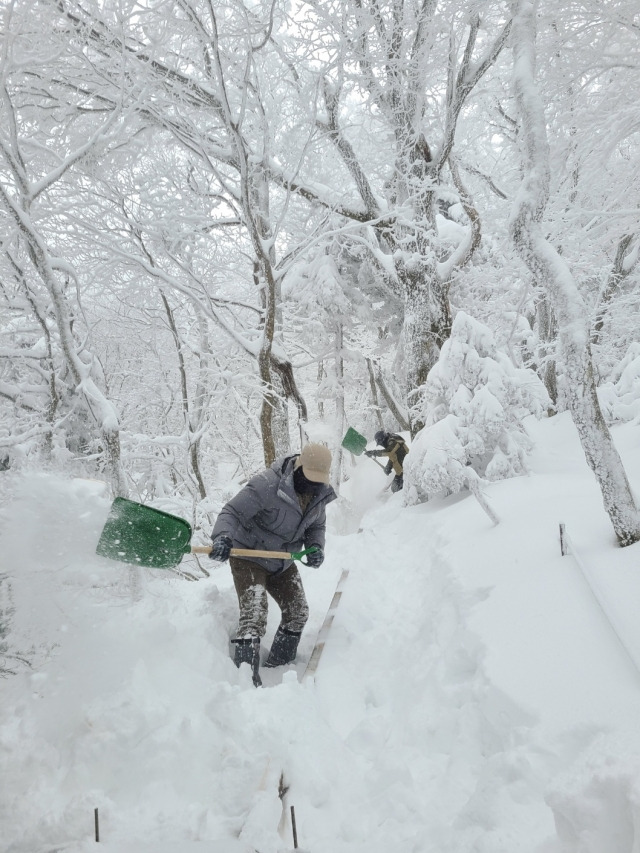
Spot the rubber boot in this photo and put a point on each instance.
(248, 651)
(284, 647)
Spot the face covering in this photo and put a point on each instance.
(304, 486)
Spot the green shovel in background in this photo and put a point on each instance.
(356, 443)
(148, 537)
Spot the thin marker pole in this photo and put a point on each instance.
(293, 827)
(96, 823)
(564, 547)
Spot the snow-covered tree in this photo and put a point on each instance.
(417, 67)
(475, 404)
(47, 128)
(552, 272)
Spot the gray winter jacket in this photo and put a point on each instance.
(266, 515)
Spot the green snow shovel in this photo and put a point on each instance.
(145, 536)
(356, 443)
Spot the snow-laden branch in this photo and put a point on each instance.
(320, 194)
(17, 439)
(462, 254)
(25, 396)
(469, 75)
(36, 352)
(100, 135)
(347, 153)
(206, 304)
(194, 91)
(623, 265)
(16, 165)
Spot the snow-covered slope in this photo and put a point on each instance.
(472, 695)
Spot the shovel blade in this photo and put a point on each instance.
(354, 442)
(144, 536)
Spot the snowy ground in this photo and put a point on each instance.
(473, 697)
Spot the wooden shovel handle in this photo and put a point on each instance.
(245, 552)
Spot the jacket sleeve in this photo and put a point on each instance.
(315, 533)
(237, 512)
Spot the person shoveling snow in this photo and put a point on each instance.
(279, 509)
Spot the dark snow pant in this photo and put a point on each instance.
(397, 483)
(252, 584)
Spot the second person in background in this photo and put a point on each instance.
(395, 449)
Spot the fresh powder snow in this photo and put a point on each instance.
(478, 691)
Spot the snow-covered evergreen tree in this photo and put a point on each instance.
(475, 403)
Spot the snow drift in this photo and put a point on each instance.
(472, 696)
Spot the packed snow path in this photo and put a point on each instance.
(471, 697)
(139, 711)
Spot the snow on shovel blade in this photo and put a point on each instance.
(354, 442)
(145, 536)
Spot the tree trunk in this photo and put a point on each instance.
(622, 266)
(391, 402)
(427, 325)
(547, 333)
(374, 395)
(341, 420)
(553, 273)
(189, 426)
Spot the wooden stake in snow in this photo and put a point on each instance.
(564, 548)
(96, 824)
(316, 654)
(473, 482)
(312, 665)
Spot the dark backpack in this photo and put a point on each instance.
(402, 450)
